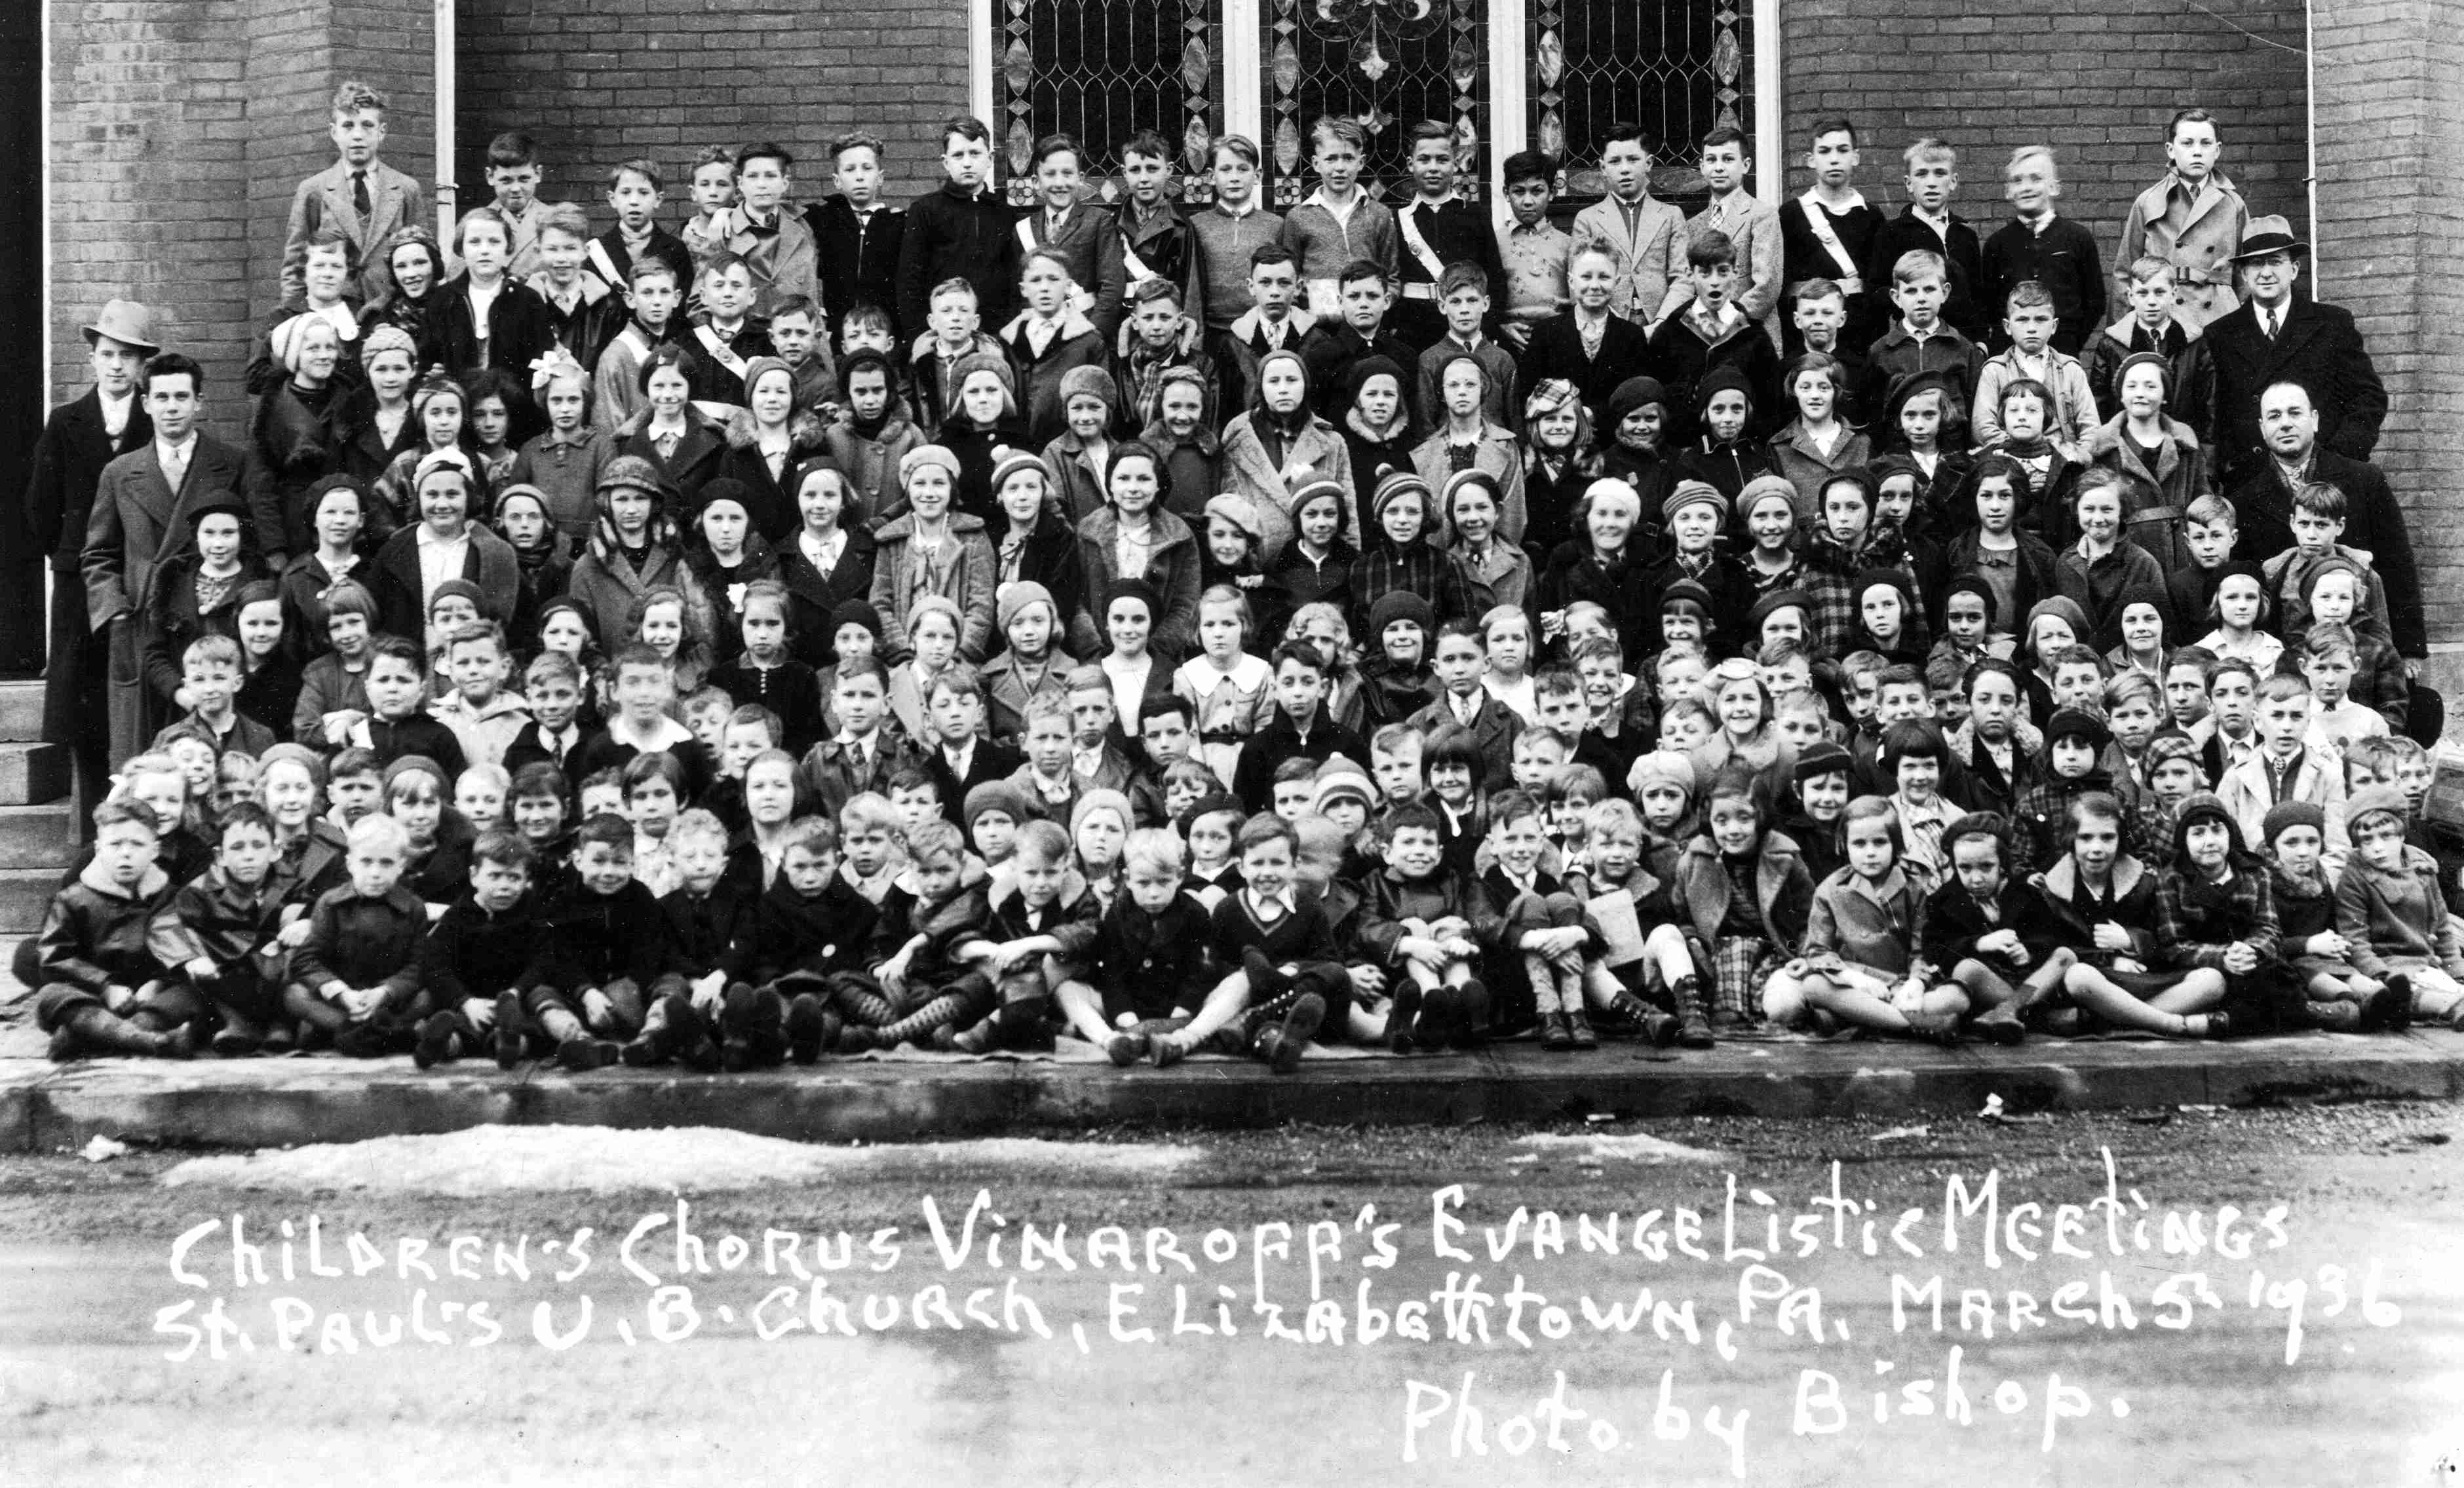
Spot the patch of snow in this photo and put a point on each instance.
(1627, 1148)
(607, 1159)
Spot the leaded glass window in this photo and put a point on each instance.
(1680, 67)
(1387, 63)
(1101, 71)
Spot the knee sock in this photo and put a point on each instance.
(559, 1024)
(948, 1007)
(862, 1007)
(1544, 992)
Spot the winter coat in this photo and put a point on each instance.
(900, 578)
(1783, 891)
(770, 501)
(1172, 568)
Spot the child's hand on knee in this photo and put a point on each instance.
(480, 1011)
(595, 1006)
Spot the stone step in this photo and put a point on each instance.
(37, 837)
(33, 774)
(21, 711)
(25, 893)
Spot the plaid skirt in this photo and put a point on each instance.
(1740, 964)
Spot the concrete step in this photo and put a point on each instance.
(24, 894)
(21, 711)
(32, 773)
(37, 837)
(277, 1102)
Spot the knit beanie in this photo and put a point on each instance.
(1689, 593)
(1005, 798)
(2298, 813)
(2370, 800)
(1662, 767)
(1008, 462)
(1087, 382)
(1012, 599)
(1138, 589)
(1401, 605)
(726, 488)
(1393, 487)
(1340, 779)
(922, 455)
(1694, 493)
(1820, 758)
(1761, 489)
(2077, 723)
(452, 588)
(855, 612)
(1096, 800)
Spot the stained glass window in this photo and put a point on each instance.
(1387, 63)
(1680, 67)
(1101, 71)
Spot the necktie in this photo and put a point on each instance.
(2270, 321)
(360, 194)
(855, 753)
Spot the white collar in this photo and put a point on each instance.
(1252, 903)
(1813, 198)
(182, 447)
(1451, 197)
(426, 538)
(863, 741)
(1359, 194)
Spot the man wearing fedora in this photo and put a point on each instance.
(2276, 338)
(144, 506)
(81, 437)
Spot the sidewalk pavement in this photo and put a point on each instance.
(280, 1101)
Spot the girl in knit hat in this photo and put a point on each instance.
(439, 409)
(2341, 995)
(1031, 661)
(1192, 455)
(1692, 517)
(767, 442)
(1604, 564)
(1765, 525)
(1375, 420)
(982, 417)
(1231, 550)
(1725, 452)
(932, 549)
(1466, 442)
(1316, 566)
(2216, 913)
(726, 553)
(2054, 627)
(1280, 446)
(1082, 450)
(1634, 444)
(636, 545)
(2391, 913)
(1400, 554)
(1558, 464)
(1398, 681)
(1032, 540)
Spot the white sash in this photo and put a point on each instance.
(1139, 271)
(1080, 298)
(1819, 221)
(719, 352)
(604, 266)
(1407, 221)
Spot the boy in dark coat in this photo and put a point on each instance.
(1149, 971)
(1430, 929)
(356, 978)
(609, 947)
(103, 986)
(492, 942)
(1983, 928)
(234, 914)
(959, 232)
(857, 238)
(925, 924)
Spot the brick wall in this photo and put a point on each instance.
(179, 128)
(148, 156)
(2391, 148)
(599, 82)
(2096, 78)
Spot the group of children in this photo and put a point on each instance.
(1250, 645)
